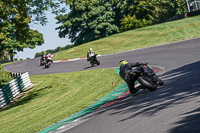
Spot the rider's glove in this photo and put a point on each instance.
(129, 72)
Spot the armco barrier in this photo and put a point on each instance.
(14, 74)
(13, 88)
(184, 15)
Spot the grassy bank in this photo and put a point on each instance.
(139, 38)
(5, 77)
(4, 64)
(55, 97)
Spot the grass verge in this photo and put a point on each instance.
(55, 97)
(4, 64)
(5, 77)
(149, 36)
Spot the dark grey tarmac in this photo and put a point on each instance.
(173, 108)
(170, 56)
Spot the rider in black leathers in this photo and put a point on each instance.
(42, 59)
(90, 51)
(125, 74)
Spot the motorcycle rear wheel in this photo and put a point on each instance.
(91, 62)
(147, 84)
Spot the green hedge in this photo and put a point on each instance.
(52, 51)
(5, 77)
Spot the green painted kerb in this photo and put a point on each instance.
(108, 98)
(117, 70)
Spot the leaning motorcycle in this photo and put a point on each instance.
(146, 77)
(93, 59)
(48, 62)
(42, 61)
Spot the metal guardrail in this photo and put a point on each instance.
(15, 74)
(184, 15)
(13, 88)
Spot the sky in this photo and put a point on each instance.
(50, 35)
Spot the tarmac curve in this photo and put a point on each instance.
(173, 108)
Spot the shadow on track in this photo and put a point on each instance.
(182, 85)
(189, 124)
(90, 67)
(45, 67)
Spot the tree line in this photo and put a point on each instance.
(93, 19)
(87, 20)
(52, 51)
(15, 19)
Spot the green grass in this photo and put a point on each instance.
(55, 97)
(9, 63)
(5, 77)
(149, 36)
(13, 62)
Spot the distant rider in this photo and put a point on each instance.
(125, 74)
(89, 53)
(42, 59)
(49, 56)
(43, 55)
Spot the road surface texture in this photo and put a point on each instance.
(173, 108)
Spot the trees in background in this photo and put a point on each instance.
(15, 16)
(5, 77)
(86, 21)
(52, 51)
(147, 12)
(89, 20)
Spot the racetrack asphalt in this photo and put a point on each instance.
(169, 56)
(173, 108)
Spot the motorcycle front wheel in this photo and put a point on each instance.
(146, 83)
(160, 82)
(98, 62)
(47, 65)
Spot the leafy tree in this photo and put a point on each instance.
(88, 20)
(147, 12)
(4, 55)
(165, 9)
(15, 59)
(93, 19)
(54, 50)
(15, 16)
(5, 77)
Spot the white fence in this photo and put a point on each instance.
(13, 88)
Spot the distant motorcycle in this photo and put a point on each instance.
(146, 77)
(48, 62)
(93, 59)
(42, 61)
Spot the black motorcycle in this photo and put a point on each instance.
(93, 59)
(48, 62)
(42, 61)
(146, 77)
